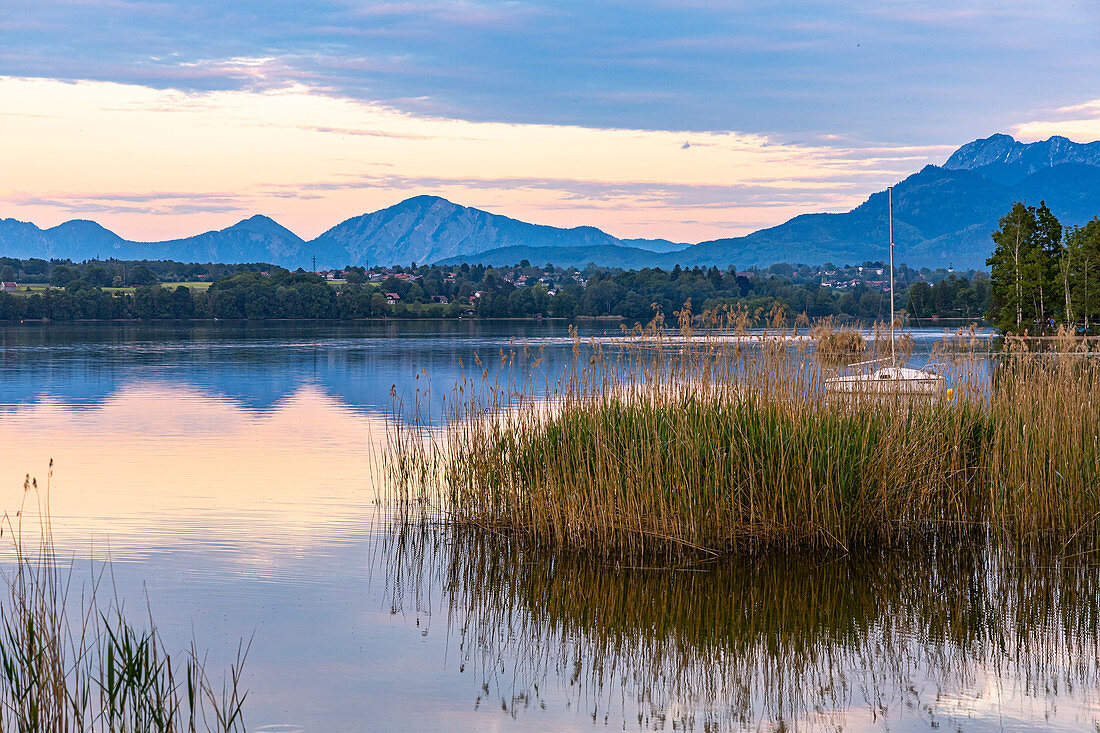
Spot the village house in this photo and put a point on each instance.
(392, 298)
(9, 287)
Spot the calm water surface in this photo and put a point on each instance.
(230, 473)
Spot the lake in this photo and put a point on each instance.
(231, 474)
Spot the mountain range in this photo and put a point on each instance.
(943, 215)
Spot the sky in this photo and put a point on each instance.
(687, 120)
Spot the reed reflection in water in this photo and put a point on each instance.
(963, 636)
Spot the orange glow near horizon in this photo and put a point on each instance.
(159, 164)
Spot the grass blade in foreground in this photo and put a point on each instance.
(78, 665)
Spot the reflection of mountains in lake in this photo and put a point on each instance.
(260, 364)
(959, 636)
(254, 366)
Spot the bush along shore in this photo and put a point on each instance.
(69, 664)
(714, 441)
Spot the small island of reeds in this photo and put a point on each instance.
(709, 439)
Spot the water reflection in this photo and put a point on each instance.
(156, 465)
(255, 365)
(230, 470)
(258, 365)
(963, 636)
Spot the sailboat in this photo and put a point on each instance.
(890, 378)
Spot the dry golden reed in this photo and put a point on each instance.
(837, 345)
(707, 439)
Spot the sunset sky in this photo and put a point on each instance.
(687, 120)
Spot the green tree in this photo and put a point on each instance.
(140, 275)
(1015, 266)
(62, 275)
(1083, 256)
(96, 276)
(1048, 235)
(919, 302)
(1066, 264)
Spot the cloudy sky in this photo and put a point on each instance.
(684, 119)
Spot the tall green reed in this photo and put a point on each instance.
(707, 439)
(82, 664)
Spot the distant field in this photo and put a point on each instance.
(192, 285)
(36, 287)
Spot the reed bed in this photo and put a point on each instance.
(691, 440)
(837, 345)
(78, 664)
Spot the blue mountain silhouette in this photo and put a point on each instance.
(942, 215)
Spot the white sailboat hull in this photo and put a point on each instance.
(889, 380)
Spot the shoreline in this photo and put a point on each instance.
(945, 322)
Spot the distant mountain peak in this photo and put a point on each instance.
(426, 197)
(1008, 160)
(261, 224)
(423, 201)
(80, 225)
(429, 228)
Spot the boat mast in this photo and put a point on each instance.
(890, 197)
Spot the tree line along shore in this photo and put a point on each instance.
(1044, 274)
(118, 290)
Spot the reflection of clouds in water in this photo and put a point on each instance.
(153, 465)
(975, 636)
